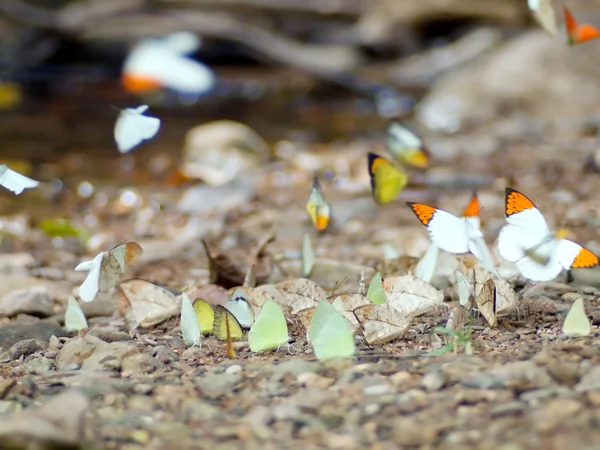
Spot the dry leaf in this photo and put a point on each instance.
(300, 294)
(212, 294)
(458, 318)
(150, 303)
(486, 303)
(381, 323)
(411, 296)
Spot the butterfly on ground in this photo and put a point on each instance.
(239, 306)
(386, 180)
(227, 328)
(75, 319)
(330, 333)
(14, 181)
(318, 208)
(577, 323)
(454, 234)
(544, 14)
(190, 326)
(577, 33)
(162, 63)
(270, 330)
(106, 267)
(406, 146)
(540, 254)
(133, 127)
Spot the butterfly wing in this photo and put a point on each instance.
(220, 325)
(190, 328)
(386, 180)
(75, 319)
(447, 231)
(406, 146)
(577, 323)
(270, 329)
(308, 256)
(479, 248)
(471, 212)
(426, 266)
(376, 292)
(573, 256)
(544, 14)
(89, 288)
(322, 312)
(205, 315)
(242, 311)
(335, 339)
(14, 181)
(127, 134)
(318, 209)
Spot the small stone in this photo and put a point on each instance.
(507, 409)
(39, 365)
(554, 413)
(235, 368)
(42, 331)
(590, 381)
(164, 354)
(570, 296)
(286, 411)
(138, 364)
(23, 348)
(217, 385)
(411, 432)
(108, 334)
(433, 381)
(378, 389)
(76, 351)
(295, 367)
(402, 380)
(34, 300)
(193, 353)
(143, 389)
(310, 379)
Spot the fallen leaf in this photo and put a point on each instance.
(411, 296)
(150, 304)
(381, 323)
(300, 293)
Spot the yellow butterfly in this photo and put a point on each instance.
(318, 209)
(205, 315)
(386, 180)
(406, 146)
(227, 328)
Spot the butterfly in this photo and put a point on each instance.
(544, 14)
(318, 208)
(270, 329)
(540, 255)
(240, 307)
(132, 128)
(308, 256)
(376, 293)
(578, 33)
(227, 328)
(14, 181)
(162, 63)
(330, 333)
(105, 268)
(75, 319)
(406, 146)
(454, 234)
(486, 303)
(386, 180)
(205, 315)
(577, 323)
(190, 327)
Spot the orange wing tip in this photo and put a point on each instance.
(570, 22)
(418, 158)
(423, 212)
(132, 251)
(136, 83)
(473, 208)
(586, 33)
(321, 222)
(584, 259)
(516, 202)
(376, 161)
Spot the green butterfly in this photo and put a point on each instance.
(577, 323)
(330, 333)
(269, 331)
(376, 293)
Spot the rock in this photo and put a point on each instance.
(23, 348)
(310, 379)
(108, 356)
(590, 381)
(411, 432)
(554, 413)
(34, 300)
(109, 334)
(520, 375)
(164, 354)
(295, 366)
(39, 365)
(76, 351)
(102, 306)
(433, 381)
(204, 200)
(138, 364)
(15, 263)
(216, 385)
(516, 76)
(57, 424)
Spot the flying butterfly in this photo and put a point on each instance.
(544, 14)
(106, 267)
(540, 255)
(576, 33)
(132, 127)
(14, 181)
(318, 208)
(406, 146)
(454, 234)
(386, 180)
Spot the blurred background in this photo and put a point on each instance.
(476, 78)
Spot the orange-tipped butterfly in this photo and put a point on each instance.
(471, 212)
(454, 234)
(540, 255)
(386, 180)
(406, 146)
(318, 208)
(162, 63)
(579, 33)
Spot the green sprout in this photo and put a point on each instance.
(458, 341)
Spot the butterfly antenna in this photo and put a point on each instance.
(230, 350)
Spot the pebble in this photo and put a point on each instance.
(310, 379)
(39, 365)
(23, 348)
(433, 381)
(34, 300)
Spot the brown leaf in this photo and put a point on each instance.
(381, 323)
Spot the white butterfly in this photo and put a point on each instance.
(240, 307)
(74, 317)
(14, 181)
(132, 128)
(156, 63)
(106, 267)
(540, 255)
(190, 328)
(455, 234)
